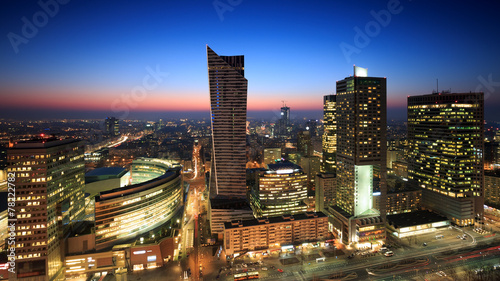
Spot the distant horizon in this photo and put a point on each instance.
(6, 113)
(393, 114)
(152, 115)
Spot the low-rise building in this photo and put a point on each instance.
(274, 232)
(415, 223)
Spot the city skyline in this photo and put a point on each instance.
(72, 65)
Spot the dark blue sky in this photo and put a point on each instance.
(91, 55)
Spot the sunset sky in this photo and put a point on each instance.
(90, 56)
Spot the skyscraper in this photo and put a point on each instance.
(361, 131)
(228, 110)
(445, 133)
(284, 121)
(304, 143)
(312, 127)
(329, 133)
(112, 126)
(49, 181)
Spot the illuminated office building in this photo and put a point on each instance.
(400, 201)
(49, 187)
(228, 110)
(282, 189)
(131, 230)
(445, 134)
(361, 150)
(329, 133)
(126, 212)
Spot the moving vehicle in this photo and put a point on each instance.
(389, 254)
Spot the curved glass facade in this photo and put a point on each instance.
(124, 213)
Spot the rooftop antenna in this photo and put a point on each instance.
(437, 85)
(284, 103)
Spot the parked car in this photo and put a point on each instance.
(280, 270)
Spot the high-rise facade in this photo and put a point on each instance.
(312, 127)
(326, 183)
(284, 121)
(304, 143)
(329, 133)
(112, 126)
(228, 110)
(361, 149)
(282, 190)
(446, 143)
(49, 188)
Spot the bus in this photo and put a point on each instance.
(246, 276)
(240, 276)
(253, 275)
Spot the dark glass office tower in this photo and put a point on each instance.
(284, 121)
(446, 142)
(228, 109)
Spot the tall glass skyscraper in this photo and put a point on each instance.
(445, 134)
(228, 110)
(361, 147)
(329, 133)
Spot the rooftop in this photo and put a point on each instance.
(495, 173)
(43, 143)
(277, 219)
(281, 166)
(414, 218)
(229, 203)
(107, 171)
(134, 188)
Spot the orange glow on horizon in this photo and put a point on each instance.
(117, 100)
